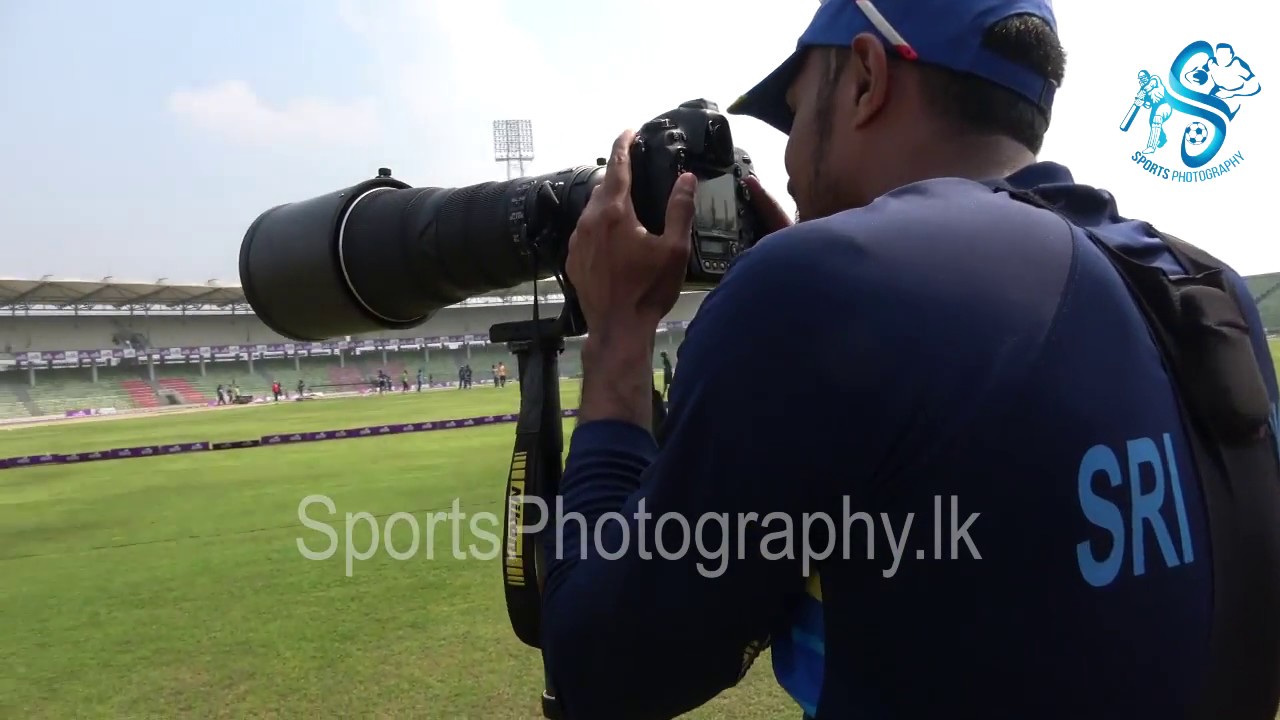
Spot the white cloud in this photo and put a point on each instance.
(582, 71)
(448, 70)
(232, 110)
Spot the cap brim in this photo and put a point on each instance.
(767, 101)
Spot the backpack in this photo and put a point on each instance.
(1205, 342)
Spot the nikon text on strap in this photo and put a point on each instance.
(1207, 349)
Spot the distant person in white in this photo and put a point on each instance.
(1230, 76)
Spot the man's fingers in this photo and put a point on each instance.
(680, 209)
(617, 174)
(768, 209)
(574, 260)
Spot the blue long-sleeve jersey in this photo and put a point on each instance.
(963, 386)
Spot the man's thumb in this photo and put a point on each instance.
(680, 207)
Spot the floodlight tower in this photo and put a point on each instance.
(513, 145)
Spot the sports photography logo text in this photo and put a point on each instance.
(708, 539)
(1195, 103)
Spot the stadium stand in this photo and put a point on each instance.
(184, 390)
(66, 389)
(12, 405)
(141, 394)
(71, 345)
(68, 345)
(1266, 292)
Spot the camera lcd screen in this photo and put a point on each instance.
(714, 247)
(718, 207)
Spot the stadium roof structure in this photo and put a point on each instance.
(59, 296)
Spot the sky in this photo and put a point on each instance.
(140, 138)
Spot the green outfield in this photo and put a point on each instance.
(173, 586)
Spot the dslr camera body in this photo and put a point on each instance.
(695, 138)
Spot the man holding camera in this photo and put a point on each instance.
(991, 377)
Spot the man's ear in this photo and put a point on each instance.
(869, 73)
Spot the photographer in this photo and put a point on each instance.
(977, 365)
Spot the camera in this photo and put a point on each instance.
(384, 255)
(695, 138)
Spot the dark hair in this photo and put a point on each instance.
(978, 105)
(984, 107)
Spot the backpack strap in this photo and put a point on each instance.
(1206, 344)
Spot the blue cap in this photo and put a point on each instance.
(947, 33)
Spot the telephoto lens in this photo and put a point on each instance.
(384, 255)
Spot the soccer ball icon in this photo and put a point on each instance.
(1196, 134)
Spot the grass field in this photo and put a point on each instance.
(173, 587)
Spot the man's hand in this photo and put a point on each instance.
(627, 280)
(767, 209)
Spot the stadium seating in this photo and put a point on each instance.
(59, 391)
(202, 389)
(185, 390)
(338, 375)
(141, 392)
(130, 387)
(1266, 292)
(13, 404)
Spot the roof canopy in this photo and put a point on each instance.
(50, 294)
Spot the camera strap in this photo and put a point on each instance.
(1205, 342)
(533, 479)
